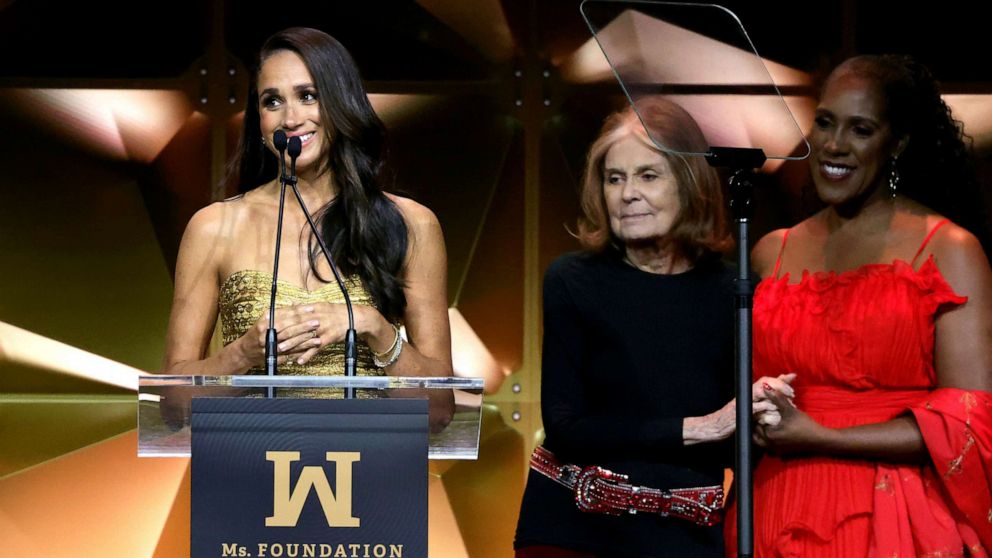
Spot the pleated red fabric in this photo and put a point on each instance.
(861, 343)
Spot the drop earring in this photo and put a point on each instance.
(894, 178)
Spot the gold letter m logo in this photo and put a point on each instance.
(287, 505)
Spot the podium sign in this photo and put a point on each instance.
(319, 478)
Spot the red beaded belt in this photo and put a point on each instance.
(599, 490)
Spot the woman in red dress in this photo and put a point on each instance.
(882, 306)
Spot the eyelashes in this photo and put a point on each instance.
(269, 101)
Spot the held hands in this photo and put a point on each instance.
(784, 428)
(721, 424)
(764, 411)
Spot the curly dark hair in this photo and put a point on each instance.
(936, 168)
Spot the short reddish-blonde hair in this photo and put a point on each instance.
(701, 227)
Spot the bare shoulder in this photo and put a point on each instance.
(212, 236)
(416, 215)
(950, 236)
(963, 352)
(765, 252)
(421, 222)
(427, 251)
(217, 220)
(960, 258)
(207, 222)
(951, 241)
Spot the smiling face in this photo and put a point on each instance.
(288, 100)
(852, 141)
(641, 192)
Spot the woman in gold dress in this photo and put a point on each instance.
(390, 249)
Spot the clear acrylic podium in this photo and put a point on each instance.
(164, 405)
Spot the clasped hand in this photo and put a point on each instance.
(780, 426)
(722, 423)
(301, 331)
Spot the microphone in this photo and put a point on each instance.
(279, 141)
(295, 148)
(350, 348)
(271, 358)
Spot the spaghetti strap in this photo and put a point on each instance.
(781, 250)
(927, 240)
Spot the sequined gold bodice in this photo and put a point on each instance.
(244, 298)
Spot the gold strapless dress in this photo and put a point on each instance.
(244, 299)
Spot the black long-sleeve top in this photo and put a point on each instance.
(627, 356)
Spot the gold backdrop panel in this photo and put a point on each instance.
(100, 501)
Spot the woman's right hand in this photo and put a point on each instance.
(296, 333)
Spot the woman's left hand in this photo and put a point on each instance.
(796, 432)
(333, 318)
(722, 424)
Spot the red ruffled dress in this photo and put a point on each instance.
(862, 344)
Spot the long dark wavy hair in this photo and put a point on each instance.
(362, 228)
(936, 167)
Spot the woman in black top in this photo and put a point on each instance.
(638, 346)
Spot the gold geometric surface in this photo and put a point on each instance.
(469, 356)
(89, 290)
(36, 429)
(99, 501)
(82, 263)
(481, 22)
(444, 538)
(173, 541)
(122, 124)
(34, 363)
(484, 495)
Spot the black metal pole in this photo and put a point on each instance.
(350, 349)
(741, 187)
(744, 476)
(271, 350)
